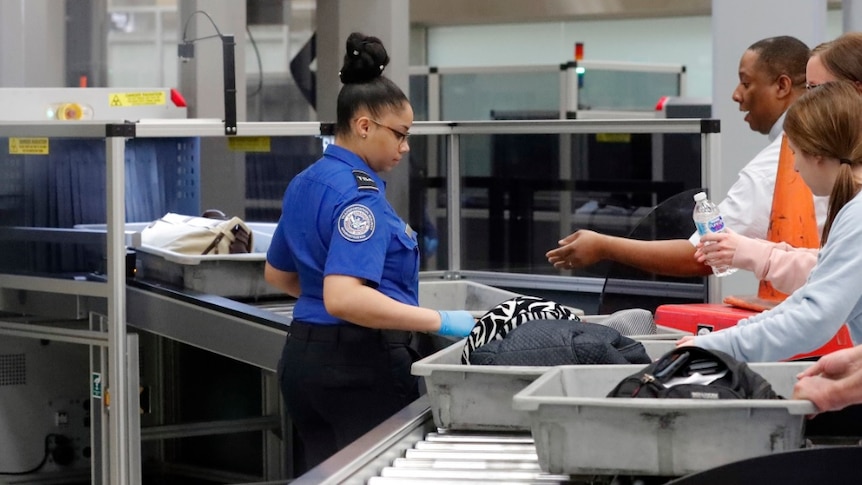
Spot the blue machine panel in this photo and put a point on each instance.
(66, 187)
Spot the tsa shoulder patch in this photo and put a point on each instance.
(356, 223)
(364, 181)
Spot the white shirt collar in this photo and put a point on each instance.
(777, 128)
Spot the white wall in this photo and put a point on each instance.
(685, 40)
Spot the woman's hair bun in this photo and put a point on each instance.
(364, 59)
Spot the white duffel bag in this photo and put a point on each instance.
(198, 235)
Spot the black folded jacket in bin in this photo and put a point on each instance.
(560, 342)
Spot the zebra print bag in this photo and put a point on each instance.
(507, 315)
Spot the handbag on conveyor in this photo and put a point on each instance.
(199, 235)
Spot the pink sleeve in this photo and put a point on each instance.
(781, 264)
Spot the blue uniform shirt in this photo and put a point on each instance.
(336, 220)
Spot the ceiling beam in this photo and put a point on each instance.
(467, 12)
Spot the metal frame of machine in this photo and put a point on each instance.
(90, 104)
(259, 344)
(569, 84)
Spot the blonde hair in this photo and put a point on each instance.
(842, 56)
(827, 122)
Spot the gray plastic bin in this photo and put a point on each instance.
(233, 275)
(479, 397)
(578, 431)
(461, 295)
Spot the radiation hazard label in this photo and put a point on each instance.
(28, 146)
(144, 98)
(249, 143)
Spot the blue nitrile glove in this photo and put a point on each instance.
(456, 323)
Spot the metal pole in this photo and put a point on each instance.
(134, 384)
(453, 189)
(117, 381)
(568, 77)
(98, 424)
(710, 173)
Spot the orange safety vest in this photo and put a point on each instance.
(793, 219)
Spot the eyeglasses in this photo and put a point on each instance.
(400, 135)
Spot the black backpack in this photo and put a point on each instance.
(545, 342)
(737, 382)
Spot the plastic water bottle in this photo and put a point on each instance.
(708, 219)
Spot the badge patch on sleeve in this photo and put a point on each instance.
(356, 223)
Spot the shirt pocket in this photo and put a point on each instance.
(408, 249)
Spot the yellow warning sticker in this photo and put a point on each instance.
(613, 138)
(143, 98)
(249, 143)
(28, 146)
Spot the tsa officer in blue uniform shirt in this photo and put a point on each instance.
(353, 266)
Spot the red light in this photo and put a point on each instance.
(579, 51)
(661, 102)
(178, 99)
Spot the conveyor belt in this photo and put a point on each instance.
(248, 332)
(283, 309)
(452, 457)
(408, 449)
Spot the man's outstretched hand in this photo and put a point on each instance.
(577, 250)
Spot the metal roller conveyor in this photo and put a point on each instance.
(408, 449)
(502, 439)
(486, 447)
(457, 481)
(466, 464)
(283, 309)
(471, 455)
(483, 458)
(479, 467)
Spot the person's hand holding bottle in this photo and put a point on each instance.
(717, 248)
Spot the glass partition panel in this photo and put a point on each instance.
(428, 214)
(53, 198)
(625, 90)
(419, 96)
(488, 95)
(48, 186)
(267, 173)
(529, 190)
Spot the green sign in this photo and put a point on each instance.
(97, 385)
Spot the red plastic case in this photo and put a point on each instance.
(700, 318)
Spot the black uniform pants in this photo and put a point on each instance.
(341, 381)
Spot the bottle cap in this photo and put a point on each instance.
(699, 196)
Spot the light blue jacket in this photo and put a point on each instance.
(812, 315)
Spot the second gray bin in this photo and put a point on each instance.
(479, 397)
(579, 431)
